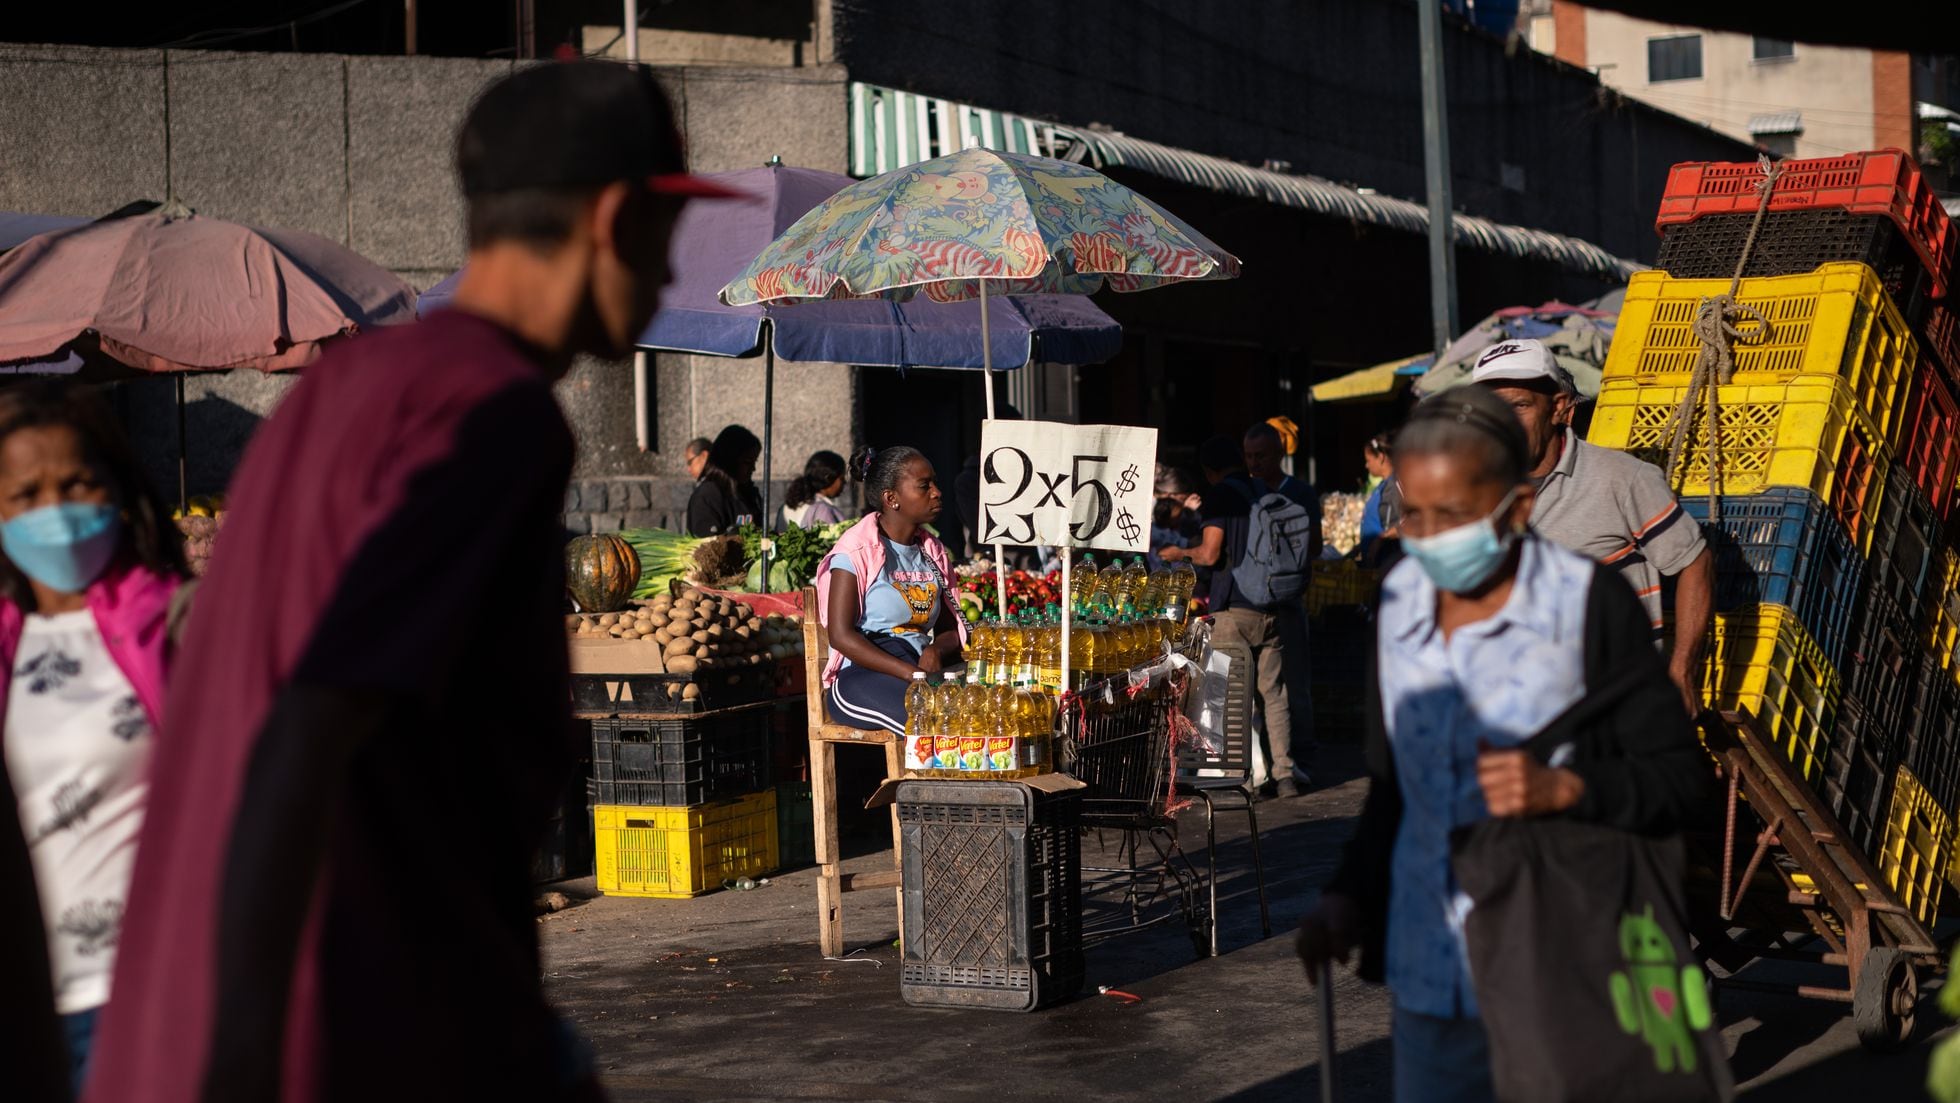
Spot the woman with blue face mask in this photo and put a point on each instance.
(1485, 635)
(91, 566)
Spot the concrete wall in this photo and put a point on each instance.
(1831, 85)
(1329, 87)
(359, 150)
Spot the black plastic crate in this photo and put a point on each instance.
(1933, 751)
(609, 694)
(1858, 777)
(565, 849)
(1785, 547)
(1882, 661)
(681, 760)
(1904, 540)
(993, 894)
(1795, 242)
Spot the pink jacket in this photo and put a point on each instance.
(867, 552)
(131, 606)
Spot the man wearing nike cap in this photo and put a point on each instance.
(1606, 504)
(367, 725)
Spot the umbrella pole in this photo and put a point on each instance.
(987, 389)
(1067, 619)
(768, 441)
(183, 452)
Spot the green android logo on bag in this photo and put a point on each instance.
(1656, 998)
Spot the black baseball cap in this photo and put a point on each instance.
(575, 124)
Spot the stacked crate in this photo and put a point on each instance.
(683, 802)
(1835, 562)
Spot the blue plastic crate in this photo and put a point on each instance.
(1785, 547)
(1882, 662)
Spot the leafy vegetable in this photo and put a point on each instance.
(664, 556)
(793, 554)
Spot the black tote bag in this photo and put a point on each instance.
(1579, 957)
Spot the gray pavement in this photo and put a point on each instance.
(725, 997)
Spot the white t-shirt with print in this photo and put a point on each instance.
(78, 752)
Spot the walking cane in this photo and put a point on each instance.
(1325, 992)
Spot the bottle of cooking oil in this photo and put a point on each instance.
(1136, 647)
(1014, 641)
(1081, 653)
(1082, 584)
(1183, 584)
(1151, 603)
(1035, 725)
(977, 725)
(1133, 579)
(974, 651)
(1048, 660)
(1103, 597)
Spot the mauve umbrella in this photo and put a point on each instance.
(170, 291)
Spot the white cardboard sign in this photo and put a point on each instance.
(1081, 486)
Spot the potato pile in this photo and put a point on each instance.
(1340, 520)
(200, 532)
(697, 631)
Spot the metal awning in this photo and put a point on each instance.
(891, 129)
(1779, 122)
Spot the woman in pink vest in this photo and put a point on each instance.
(91, 565)
(885, 597)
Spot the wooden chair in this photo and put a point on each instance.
(832, 882)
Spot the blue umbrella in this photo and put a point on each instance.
(712, 242)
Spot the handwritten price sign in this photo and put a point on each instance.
(1084, 486)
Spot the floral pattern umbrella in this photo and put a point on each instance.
(976, 223)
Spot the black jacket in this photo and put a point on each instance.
(1644, 768)
(713, 510)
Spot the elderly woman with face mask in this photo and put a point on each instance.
(1487, 633)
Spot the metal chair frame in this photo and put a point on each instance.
(1234, 761)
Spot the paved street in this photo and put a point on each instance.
(725, 998)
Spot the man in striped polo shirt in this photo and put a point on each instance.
(1607, 504)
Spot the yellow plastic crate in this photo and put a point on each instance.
(1341, 582)
(1808, 433)
(1764, 661)
(1918, 847)
(1942, 614)
(679, 852)
(1835, 321)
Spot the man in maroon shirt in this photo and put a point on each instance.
(331, 898)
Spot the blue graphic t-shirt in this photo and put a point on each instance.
(904, 601)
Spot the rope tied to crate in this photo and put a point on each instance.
(1718, 326)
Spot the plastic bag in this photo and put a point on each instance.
(1204, 705)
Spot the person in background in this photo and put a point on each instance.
(1264, 447)
(1606, 504)
(1225, 514)
(386, 596)
(1480, 648)
(1381, 514)
(814, 498)
(1174, 517)
(694, 457)
(884, 595)
(726, 497)
(92, 565)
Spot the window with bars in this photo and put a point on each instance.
(1675, 57)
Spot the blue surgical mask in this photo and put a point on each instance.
(63, 547)
(1463, 558)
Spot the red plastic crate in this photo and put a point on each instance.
(1884, 181)
(1929, 442)
(1942, 339)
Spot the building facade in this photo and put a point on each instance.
(1788, 98)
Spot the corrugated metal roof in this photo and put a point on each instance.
(1325, 197)
(1779, 122)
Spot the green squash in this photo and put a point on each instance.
(601, 571)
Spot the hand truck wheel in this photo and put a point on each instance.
(1883, 1007)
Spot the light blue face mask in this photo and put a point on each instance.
(1463, 558)
(63, 547)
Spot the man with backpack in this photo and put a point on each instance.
(1261, 544)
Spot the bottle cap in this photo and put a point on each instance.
(918, 675)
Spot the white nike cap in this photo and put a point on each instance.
(1520, 361)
